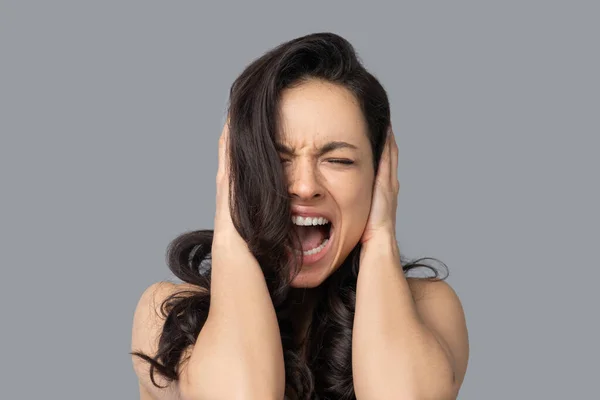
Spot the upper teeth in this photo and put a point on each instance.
(306, 221)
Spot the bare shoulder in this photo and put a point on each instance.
(422, 289)
(441, 311)
(148, 322)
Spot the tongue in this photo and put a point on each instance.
(311, 236)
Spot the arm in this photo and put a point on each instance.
(238, 353)
(401, 348)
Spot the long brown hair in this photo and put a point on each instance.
(261, 213)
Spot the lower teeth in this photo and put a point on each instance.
(315, 250)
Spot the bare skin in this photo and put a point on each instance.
(231, 346)
(147, 327)
(405, 330)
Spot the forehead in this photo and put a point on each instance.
(318, 111)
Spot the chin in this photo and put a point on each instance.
(310, 277)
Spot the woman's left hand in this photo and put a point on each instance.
(382, 217)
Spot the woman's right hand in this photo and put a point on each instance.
(238, 352)
(225, 234)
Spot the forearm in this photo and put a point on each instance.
(238, 353)
(394, 355)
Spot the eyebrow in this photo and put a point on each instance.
(326, 148)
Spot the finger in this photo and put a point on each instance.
(383, 175)
(223, 191)
(223, 150)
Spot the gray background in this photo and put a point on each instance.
(110, 116)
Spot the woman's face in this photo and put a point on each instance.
(328, 162)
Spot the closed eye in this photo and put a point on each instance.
(344, 161)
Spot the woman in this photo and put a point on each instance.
(300, 292)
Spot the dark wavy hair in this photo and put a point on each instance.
(262, 215)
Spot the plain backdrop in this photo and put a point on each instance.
(110, 112)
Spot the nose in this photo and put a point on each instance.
(304, 181)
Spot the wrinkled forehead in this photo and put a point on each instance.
(317, 112)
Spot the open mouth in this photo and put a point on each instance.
(314, 233)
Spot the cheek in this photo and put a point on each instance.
(355, 205)
(359, 212)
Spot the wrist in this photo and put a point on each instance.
(229, 244)
(383, 243)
